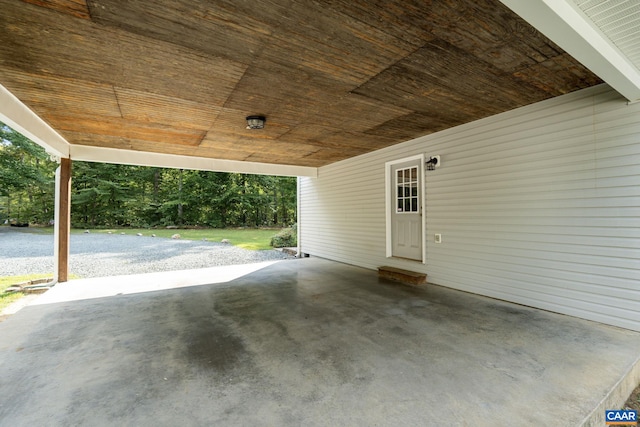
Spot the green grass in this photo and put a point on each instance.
(9, 298)
(247, 238)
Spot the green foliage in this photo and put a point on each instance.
(7, 298)
(115, 196)
(286, 238)
(108, 195)
(26, 179)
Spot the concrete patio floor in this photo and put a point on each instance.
(302, 342)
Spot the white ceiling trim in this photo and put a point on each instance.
(22, 119)
(141, 158)
(619, 21)
(574, 32)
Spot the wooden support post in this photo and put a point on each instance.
(63, 219)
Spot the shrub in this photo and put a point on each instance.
(285, 238)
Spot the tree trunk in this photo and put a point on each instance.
(156, 185)
(285, 217)
(180, 197)
(244, 198)
(20, 208)
(275, 204)
(258, 220)
(94, 208)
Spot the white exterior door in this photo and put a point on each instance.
(406, 209)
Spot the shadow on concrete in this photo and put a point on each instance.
(305, 342)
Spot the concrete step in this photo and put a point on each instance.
(403, 276)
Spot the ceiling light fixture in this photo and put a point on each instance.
(256, 122)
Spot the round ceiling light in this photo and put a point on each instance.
(256, 122)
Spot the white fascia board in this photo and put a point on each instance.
(22, 119)
(141, 158)
(571, 30)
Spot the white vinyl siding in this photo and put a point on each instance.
(538, 206)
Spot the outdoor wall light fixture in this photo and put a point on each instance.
(256, 122)
(432, 163)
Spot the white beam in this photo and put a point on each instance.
(56, 228)
(570, 29)
(19, 117)
(140, 158)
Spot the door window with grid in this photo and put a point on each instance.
(407, 200)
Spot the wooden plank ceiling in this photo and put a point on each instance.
(335, 78)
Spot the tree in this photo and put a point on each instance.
(109, 195)
(26, 178)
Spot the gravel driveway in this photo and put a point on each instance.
(25, 251)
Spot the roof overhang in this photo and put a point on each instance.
(140, 158)
(568, 26)
(353, 79)
(21, 118)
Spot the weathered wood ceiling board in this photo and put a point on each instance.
(49, 94)
(151, 107)
(77, 8)
(303, 34)
(42, 41)
(335, 78)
